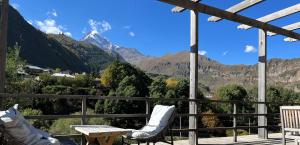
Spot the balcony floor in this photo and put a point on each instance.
(274, 139)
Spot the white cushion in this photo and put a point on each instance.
(16, 125)
(159, 120)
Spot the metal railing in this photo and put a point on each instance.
(84, 116)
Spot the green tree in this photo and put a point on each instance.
(278, 95)
(117, 71)
(231, 92)
(158, 88)
(128, 87)
(14, 64)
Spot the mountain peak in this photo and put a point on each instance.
(95, 38)
(93, 34)
(130, 55)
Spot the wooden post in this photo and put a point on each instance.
(147, 110)
(234, 123)
(3, 45)
(262, 59)
(83, 119)
(193, 137)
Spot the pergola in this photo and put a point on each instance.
(265, 30)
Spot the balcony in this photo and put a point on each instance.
(179, 129)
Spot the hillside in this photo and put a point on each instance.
(39, 49)
(96, 59)
(215, 74)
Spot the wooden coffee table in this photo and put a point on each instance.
(104, 134)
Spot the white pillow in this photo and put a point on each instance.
(161, 115)
(16, 125)
(158, 121)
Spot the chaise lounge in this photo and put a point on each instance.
(159, 125)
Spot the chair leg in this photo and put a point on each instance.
(138, 143)
(283, 137)
(123, 140)
(172, 140)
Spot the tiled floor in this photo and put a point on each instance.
(274, 139)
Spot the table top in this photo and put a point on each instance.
(100, 130)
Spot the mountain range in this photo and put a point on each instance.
(93, 52)
(283, 72)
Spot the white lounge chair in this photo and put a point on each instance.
(159, 125)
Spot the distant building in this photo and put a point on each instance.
(35, 70)
(209, 96)
(63, 75)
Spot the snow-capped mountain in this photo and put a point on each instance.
(130, 55)
(100, 41)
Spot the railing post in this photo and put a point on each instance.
(3, 45)
(83, 119)
(180, 127)
(147, 109)
(234, 123)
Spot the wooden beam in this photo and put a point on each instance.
(231, 16)
(276, 15)
(178, 9)
(237, 8)
(3, 44)
(290, 27)
(262, 82)
(193, 137)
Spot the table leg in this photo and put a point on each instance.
(90, 140)
(106, 140)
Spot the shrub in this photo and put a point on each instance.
(62, 126)
(211, 120)
(42, 124)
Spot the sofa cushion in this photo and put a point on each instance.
(16, 126)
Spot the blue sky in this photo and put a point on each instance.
(149, 26)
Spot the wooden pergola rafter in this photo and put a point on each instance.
(247, 23)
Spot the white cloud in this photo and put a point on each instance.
(99, 26)
(250, 49)
(288, 39)
(53, 13)
(15, 5)
(132, 34)
(202, 52)
(225, 53)
(68, 34)
(49, 26)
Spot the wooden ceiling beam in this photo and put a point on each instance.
(237, 8)
(276, 15)
(231, 16)
(290, 27)
(178, 9)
